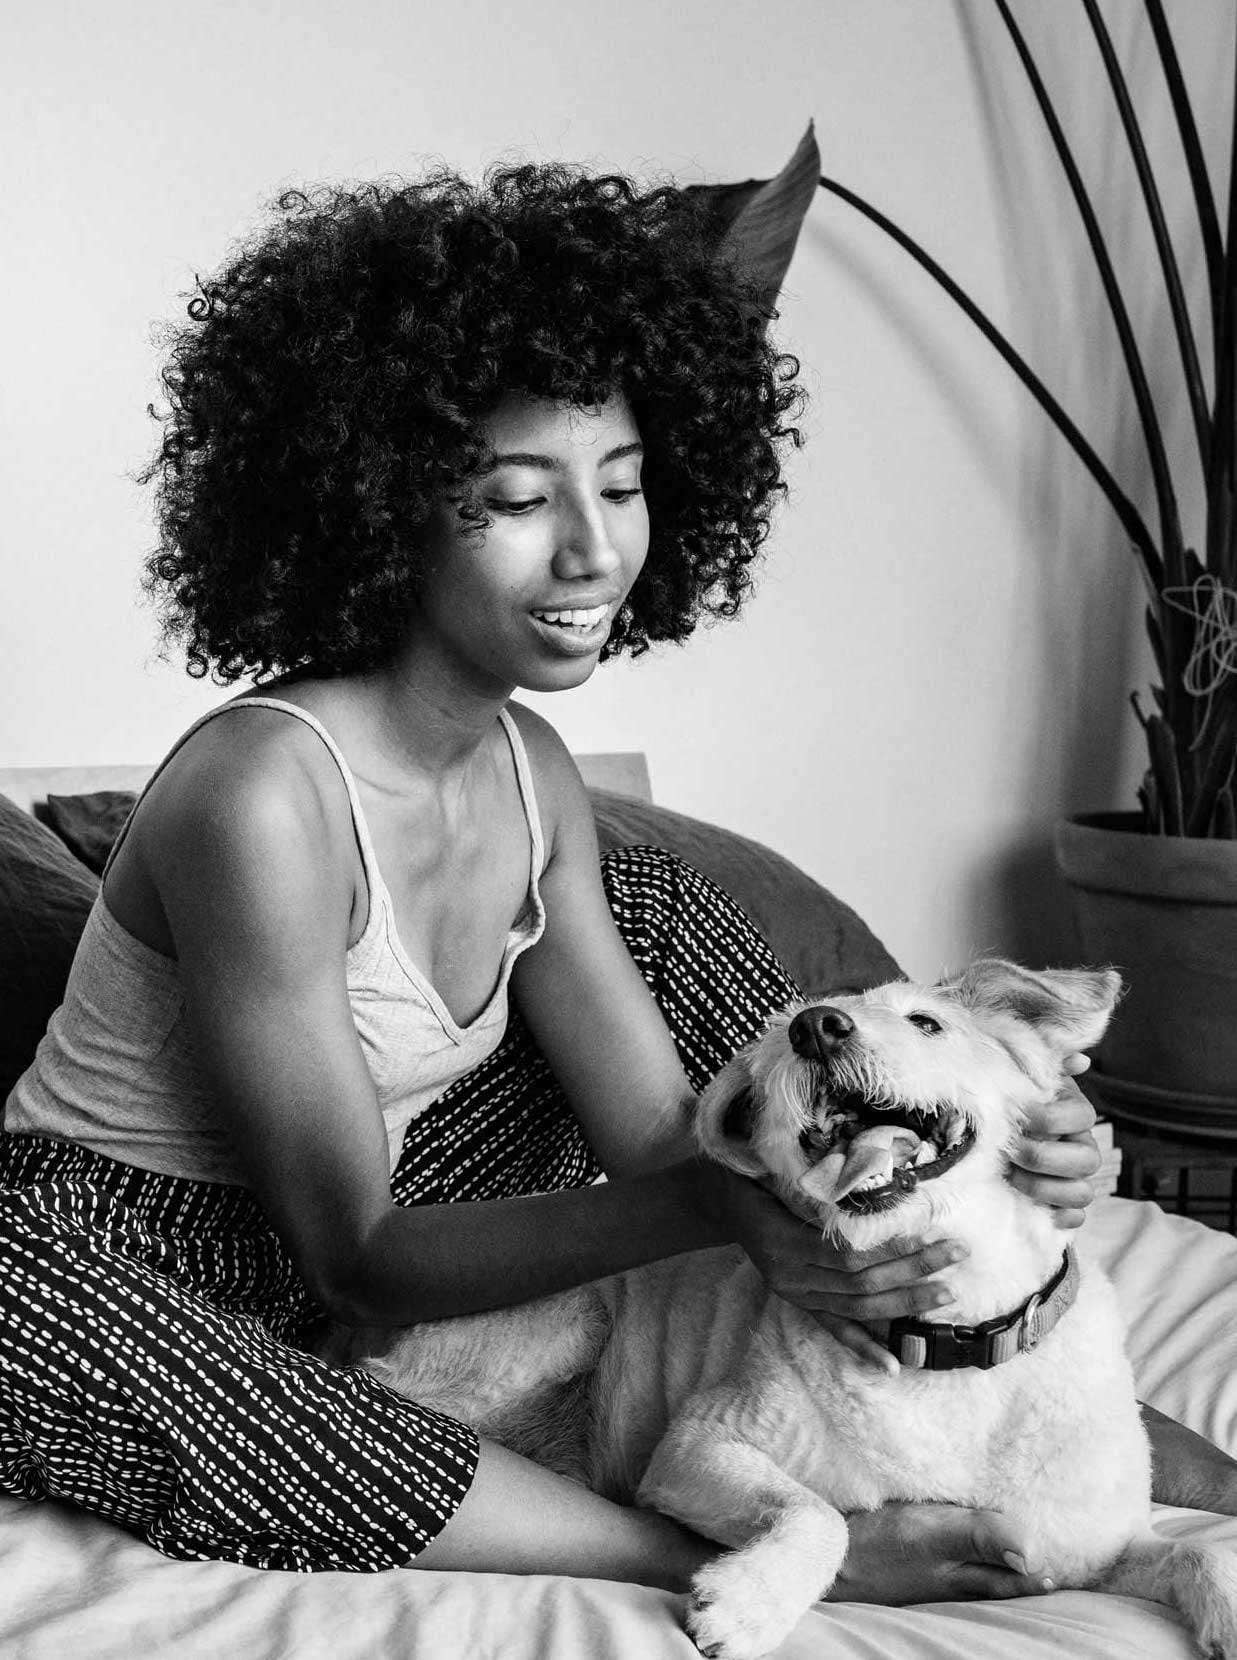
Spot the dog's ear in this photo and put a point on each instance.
(726, 1115)
(1069, 1007)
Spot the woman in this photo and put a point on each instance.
(426, 445)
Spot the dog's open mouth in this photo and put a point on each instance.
(871, 1153)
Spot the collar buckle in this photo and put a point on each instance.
(1032, 1325)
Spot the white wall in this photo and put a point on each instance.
(937, 661)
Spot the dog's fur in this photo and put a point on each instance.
(693, 1389)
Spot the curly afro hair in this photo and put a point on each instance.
(326, 392)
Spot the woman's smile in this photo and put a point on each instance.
(577, 630)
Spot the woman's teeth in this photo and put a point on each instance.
(575, 618)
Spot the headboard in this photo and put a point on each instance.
(624, 771)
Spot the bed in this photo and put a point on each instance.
(70, 1585)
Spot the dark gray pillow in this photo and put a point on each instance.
(45, 897)
(823, 944)
(89, 824)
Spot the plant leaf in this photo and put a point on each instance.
(1149, 799)
(1156, 636)
(757, 222)
(1159, 229)
(1196, 163)
(1216, 772)
(1224, 823)
(1163, 751)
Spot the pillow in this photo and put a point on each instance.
(89, 824)
(45, 896)
(823, 944)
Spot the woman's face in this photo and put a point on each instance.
(529, 601)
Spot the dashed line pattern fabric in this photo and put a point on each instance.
(150, 1367)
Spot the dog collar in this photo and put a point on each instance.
(925, 1345)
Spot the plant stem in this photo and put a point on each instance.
(1216, 771)
(1131, 520)
(1170, 523)
(1159, 229)
(1204, 199)
(1221, 527)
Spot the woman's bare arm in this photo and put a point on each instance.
(583, 998)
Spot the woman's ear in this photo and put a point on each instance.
(726, 1117)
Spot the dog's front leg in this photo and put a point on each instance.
(787, 1544)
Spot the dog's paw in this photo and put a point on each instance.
(737, 1614)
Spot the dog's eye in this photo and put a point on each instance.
(925, 1023)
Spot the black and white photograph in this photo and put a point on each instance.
(618, 830)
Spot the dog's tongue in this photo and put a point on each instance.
(873, 1152)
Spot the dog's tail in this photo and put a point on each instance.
(1199, 1581)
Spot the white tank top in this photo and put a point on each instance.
(116, 1070)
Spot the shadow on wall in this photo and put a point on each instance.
(1020, 899)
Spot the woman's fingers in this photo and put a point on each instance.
(892, 1273)
(1069, 1113)
(885, 1290)
(1073, 1159)
(970, 1582)
(893, 1304)
(1056, 1155)
(986, 1536)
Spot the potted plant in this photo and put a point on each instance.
(1155, 889)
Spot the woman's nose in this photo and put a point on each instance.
(585, 547)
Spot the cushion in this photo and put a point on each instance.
(823, 944)
(45, 896)
(89, 824)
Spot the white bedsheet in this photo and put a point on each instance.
(72, 1587)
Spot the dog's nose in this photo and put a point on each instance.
(816, 1032)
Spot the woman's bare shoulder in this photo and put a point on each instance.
(566, 812)
(560, 789)
(254, 776)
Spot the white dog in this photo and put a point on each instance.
(704, 1395)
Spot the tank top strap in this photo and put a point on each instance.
(368, 858)
(528, 794)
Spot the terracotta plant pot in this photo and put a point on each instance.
(1162, 910)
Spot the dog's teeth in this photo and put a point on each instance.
(927, 1151)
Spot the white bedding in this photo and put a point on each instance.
(73, 1587)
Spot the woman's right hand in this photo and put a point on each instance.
(905, 1553)
(841, 1291)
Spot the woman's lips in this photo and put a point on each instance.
(576, 632)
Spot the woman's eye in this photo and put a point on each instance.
(622, 495)
(514, 507)
(925, 1023)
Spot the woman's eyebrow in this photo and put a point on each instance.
(529, 458)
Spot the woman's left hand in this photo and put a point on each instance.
(1055, 1156)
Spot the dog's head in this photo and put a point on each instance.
(876, 1112)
